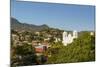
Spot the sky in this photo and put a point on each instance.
(61, 16)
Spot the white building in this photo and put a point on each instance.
(57, 39)
(68, 38)
(91, 33)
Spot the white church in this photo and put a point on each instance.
(68, 37)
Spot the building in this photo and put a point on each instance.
(57, 39)
(15, 37)
(68, 38)
(91, 33)
(40, 48)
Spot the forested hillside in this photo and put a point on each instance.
(81, 50)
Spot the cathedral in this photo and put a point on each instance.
(68, 37)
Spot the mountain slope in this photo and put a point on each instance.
(16, 25)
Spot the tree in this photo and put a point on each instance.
(81, 50)
(24, 55)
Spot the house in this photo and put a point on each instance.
(40, 48)
(35, 42)
(15, 37)
(57, 39)
(91, 33)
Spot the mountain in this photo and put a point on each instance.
(17, 25)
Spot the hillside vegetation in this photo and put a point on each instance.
(81, 50)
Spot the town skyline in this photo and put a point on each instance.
(61, 16)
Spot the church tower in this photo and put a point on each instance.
(68, 38)
(64, 38)
(75, 34)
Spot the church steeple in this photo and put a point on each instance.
(68, 38)
(75, 34)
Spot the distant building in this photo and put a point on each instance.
(46, 39)
(15, 37)
(38, 33)
(35, 43)
(40, 48)
(15, 40)
(91, 33)
(27, 37)
(68, 38)
(57, 39)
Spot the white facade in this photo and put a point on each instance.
(68, 38)
(57, 40)
(91, 33)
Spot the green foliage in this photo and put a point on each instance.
(23, 55)
(81, 50)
